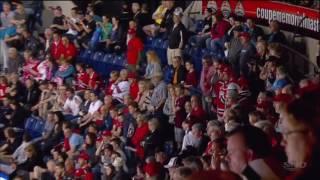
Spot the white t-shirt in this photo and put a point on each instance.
(72, 105)
(94, 106)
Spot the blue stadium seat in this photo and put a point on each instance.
(97, 61)
(34, 126)
(38, 128)
(29, 123)
(87, 55)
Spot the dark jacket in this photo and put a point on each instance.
(277, 37)
(181, 75)
(167, 21)
(177, 36)
(17, 117)
(152, 142)
(31, 97)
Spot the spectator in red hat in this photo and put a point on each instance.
(248, 50)
(134, 50)
(84, 170)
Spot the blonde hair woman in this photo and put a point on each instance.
(153, 66)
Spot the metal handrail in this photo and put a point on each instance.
(310, 65)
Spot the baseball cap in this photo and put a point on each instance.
(84, 156)
(245, 35)
(178, 11)
(106, 133)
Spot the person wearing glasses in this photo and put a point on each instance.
(300, 132)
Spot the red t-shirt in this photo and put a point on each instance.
(108, 90)
(94, 80)
(55, 49)
(82, 80)
(66, 144)
(138, 137)
(198, 115)
(191, 79)
(135, 46)
(117, 123)
(67, 51)
(134, 89)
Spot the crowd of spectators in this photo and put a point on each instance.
(240, 117)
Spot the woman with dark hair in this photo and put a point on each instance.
(117, 37)
(218, 30)
(17, 116)
(12, 142)
(301, 135)
(55, 135)
(90, 146)
(46, 68)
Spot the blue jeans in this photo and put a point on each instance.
(214, 44)
(198, 40)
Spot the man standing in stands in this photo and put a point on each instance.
(177, 36)
(276, 36)
(247, 51)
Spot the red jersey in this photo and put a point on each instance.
(82, 80)
(135, 46)
(138, 136)
(117, 123)
(68, 52)
(134, 89)
(191, 79)
(30, 65)
(94, 81)
(198, 115)
(56, 49)
(108, 90)
(84, 173)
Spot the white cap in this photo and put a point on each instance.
(178, 11)
(118, 162)
(172, 163)
(233, 86)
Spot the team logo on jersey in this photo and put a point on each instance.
(226, 9)
(239, 10)
(213, 6)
